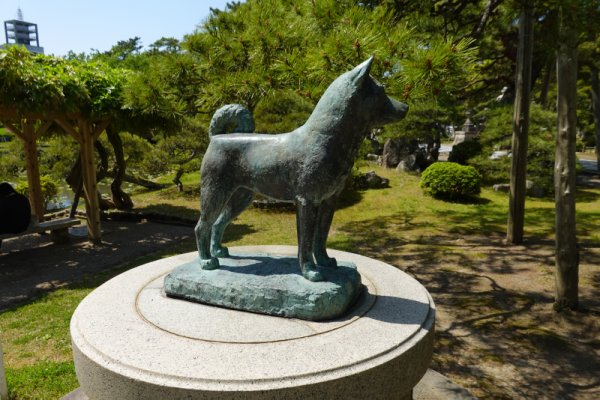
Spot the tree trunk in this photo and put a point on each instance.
(546, 83)
(595, 83)
(144, 182)
(177, 179)
(518, 171)
(567, 255)
(120, 198)
(485, 16)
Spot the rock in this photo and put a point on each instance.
(502, 187)
(390, 156)
(373, 157)
(534, 190)
(397, 150)
(374, 181)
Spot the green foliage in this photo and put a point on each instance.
(42, 83)
(57, 155)
(259, 47)
(49, 188)
(12, 160)
(464, 151)
(497, 135)
(182, 151)
(281, 111)
(452, 181)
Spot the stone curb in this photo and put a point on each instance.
(433, 386)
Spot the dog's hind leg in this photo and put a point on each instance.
(239, 201)
(213, 200)
(306, 221)
(325, 216)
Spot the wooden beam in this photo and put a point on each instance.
(43, 128)
(12, 127)
(92, 206)
(68, 128)
(100, 127)
(36, 197)
(12, 113)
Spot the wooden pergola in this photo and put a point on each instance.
(30, 126)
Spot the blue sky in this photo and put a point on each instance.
(81, 25)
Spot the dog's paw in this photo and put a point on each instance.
(211, 263)
(220, 252)
(309, 271)
(327, 262)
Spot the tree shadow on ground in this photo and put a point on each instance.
(33, 265)
(497, 333)
(348, 198)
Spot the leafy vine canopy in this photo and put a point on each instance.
(37, 83)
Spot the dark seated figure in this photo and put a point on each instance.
(15, 211)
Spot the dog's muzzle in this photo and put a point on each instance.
(393, 111)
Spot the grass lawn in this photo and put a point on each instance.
(455, 249)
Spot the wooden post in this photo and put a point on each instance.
(92, 206)
(86, 134)
(36, 198)
(29, 136)
(3, 387)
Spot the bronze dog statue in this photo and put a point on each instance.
(308, 166)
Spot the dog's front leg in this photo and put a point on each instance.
(202, 232)
(325, 216)
(306, 221)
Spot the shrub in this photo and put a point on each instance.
(448, 180)
(49, 188)
(462, 152)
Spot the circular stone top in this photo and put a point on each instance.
(232, 326)
(129, 326)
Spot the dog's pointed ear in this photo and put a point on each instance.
(362, 71)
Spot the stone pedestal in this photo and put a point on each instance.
(130, 341)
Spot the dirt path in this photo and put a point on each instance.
(33, 264)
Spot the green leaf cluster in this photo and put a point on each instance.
(46, 84)
(497, 135)
(264, 48)
(49, 188)
(451, 181)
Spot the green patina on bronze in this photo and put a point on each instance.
(267, 284)
(308, 166)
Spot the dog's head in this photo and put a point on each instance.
(357, 97)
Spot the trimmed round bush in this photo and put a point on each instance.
(462, 152)
(448, 180)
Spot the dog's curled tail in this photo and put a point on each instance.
(232, 118)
